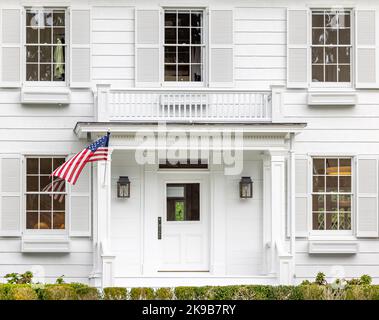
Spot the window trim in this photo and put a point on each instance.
(332, 85)
(332, 234)
(58, 84)
(43, 232)
(185, 84)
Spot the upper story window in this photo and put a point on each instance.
(45, 197)
(331, 46)
(332, 193)
(183, 46)
(45, 45)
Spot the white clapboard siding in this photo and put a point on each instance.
(301, 196)
(80, 48)
(10, 48)
(221, 35)
(367, 197)
(147, 48)
(297, 48)
(367, 45)
(80, 205)
(10, 195)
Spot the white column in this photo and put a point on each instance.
(104, 219)
(218, 220)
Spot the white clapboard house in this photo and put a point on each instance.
(270, 109)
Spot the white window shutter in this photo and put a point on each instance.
(80, 205)
(10, 195)
(11, 48)
(147, 49)
(80, 48)
(221, 53)
(367, 53)
(297, 48)
(301, 196)
(367, 197)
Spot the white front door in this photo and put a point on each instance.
(183, 222)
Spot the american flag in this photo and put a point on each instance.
(71, 169)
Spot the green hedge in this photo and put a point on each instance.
(77, 291)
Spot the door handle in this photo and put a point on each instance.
(159, 228)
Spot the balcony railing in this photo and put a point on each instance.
(172, 105)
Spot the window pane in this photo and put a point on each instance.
(331, 202)
(344, 20)
(183, 54)
(32, 202)
(183, 202)
(196, 19)
(31, 183)
(183, 19)
(32, 72)
(31, 19)
(58, 220)
(45, 165)
(170, 73)
(330, 55)
(331, 184)
(332, 167)
(331, 73)
(344, 74)
(59, 72)
(183, 73)
(48, 18)
(344, 36)
(45, 72)
(196, 55)
(57, 162)
(345, 183)
(318, 221)
(195, 36)
(318, 202)
(170, 35)
(58, 18)
(32, 54)
(317, 55)
(344, 55)
(45, 35)
(183, 36)
(331, 36)
(331, 221)
(318, 20)
(170, 19)
(170, 54)
(59, 202)
(345, 202)
(318, 184)
(45, 220)
(318, 36)
(345, 221)
(32, 220)
(45, 184)
(318, 166)
(331, 19)
(345, 167)
(196, 72)
(45, 202)
(58, 36)
(45, 54)
(317, 73)
(59, 185)
(31, 35)
(32, 165)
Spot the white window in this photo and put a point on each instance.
(183, 46)
(45, 195)
(331, 46)
(45, 45)
(332, 193)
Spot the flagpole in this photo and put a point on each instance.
(106, 163)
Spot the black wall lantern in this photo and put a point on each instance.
(246, 188)
(123, 187)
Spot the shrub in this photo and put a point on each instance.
(164, 294)
(365, 280)
(17, 278)
(115, 293)
(312, 292)
(4, 290)
(320, 279)
(185, 293)
(84, 292)
(22, 292)
(59, 292)
(142, 294)
(286, 293)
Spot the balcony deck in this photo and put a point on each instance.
(183, 105)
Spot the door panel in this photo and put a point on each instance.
(185, 215)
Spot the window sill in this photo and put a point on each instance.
(45, 243)
(333, 247)
(334, 98)
(45, 95)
